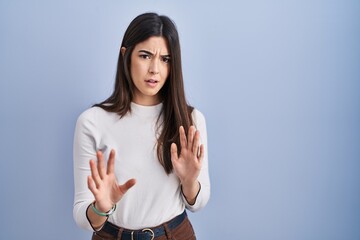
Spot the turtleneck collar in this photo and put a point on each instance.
(142, 110)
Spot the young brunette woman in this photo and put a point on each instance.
(140, 157)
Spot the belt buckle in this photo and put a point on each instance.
(149, 230)
(144, 230)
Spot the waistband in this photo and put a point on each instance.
(146, 233)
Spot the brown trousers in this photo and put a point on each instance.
(184, 231)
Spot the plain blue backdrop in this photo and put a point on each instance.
(278, 82)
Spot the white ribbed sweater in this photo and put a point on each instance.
(156, 197)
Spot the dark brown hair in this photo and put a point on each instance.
(175, 111)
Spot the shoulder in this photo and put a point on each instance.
(93, 115)
(89, 114)
(198, 117)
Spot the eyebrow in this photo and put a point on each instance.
(150, 53)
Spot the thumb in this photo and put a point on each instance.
(126, 186)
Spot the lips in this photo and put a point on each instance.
(151, 82)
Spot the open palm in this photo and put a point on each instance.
(188, 164)
(103, 184)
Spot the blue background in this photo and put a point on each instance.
(278, 82)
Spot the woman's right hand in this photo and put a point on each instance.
(103, 184)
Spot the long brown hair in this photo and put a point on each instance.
(175, 111)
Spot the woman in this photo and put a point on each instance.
(157, 161)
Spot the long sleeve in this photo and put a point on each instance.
(156, 197)
(84, 150)
(204, 180)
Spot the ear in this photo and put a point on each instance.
(123, 49)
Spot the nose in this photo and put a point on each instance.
(154, 67)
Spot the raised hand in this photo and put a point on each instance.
(103, 184)
(188, 164)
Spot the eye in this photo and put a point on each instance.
(145, 56)
(166, 59)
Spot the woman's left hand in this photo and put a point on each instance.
(188, 164)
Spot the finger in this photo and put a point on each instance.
(94, 173)
(126, 186)
(174, 153)
(100, 164)
(183, 142)
(111, 162)
(91, 185)
(202, 153)
(196, 145)
(191, 137)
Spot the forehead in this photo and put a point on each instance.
(154, 45)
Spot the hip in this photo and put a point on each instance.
(178, 228)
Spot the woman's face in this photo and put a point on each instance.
(150, 67)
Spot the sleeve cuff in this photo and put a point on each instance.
(195, 206)
(87, 217)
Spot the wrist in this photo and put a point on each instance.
(99, 212)
(191, 191)
(102, 207)
(190, 184)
